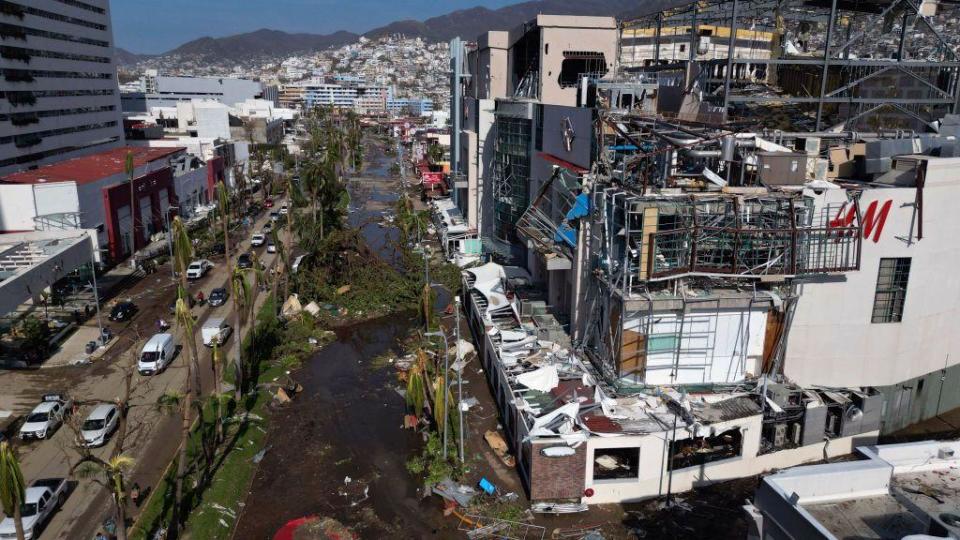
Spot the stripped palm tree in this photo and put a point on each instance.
(110, 474)
(13, 490)
(223, 199)
(182, 254)
(242, 297)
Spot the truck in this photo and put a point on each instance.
(215, 332)
(43, 498)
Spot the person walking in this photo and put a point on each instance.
(135, 494)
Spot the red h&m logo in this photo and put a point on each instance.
(872, 220)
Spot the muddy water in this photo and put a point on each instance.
(347, 423)
(339, 450)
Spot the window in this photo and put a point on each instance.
(616, 463)
(576, 64)
(538, 134)
(699, 451)
(891, 289)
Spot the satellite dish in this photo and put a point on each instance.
(854, 414)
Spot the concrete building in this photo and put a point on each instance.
(656, 264)
(409, 106)
(59, 90)
(898, 491)
(166, 91)
(93, 192)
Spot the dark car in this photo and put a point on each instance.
(245, 261)
(218, 297)
(123, 311)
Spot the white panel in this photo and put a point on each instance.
(56, 198)
(16, 207)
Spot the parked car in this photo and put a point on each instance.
(244, 261)
(258, 239)
(215, 332)
(274, 216)
(218, 297)
(267, 228)
(123, 311)
(198, 269)
(41, 500)
(268, 203)
(284, 210)
(99, 425)
(156, 354)
(46, 417)
(271, 247)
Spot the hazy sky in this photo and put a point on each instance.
(154, 26)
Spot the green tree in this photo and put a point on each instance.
(12, 487)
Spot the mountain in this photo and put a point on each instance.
(466, 23)
(469, 23)
(127, 58)
(263, 42)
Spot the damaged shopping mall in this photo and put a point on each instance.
(677, 291)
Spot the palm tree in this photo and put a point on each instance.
(241, 298)
(129, 169)
(223, 199)
(110, 474)
(12, 488)
(182, 253)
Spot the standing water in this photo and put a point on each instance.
(339, 450)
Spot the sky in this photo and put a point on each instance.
(155, 26)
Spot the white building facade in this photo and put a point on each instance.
(59, 90)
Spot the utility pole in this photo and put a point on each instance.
(96, 292)
(456, 301)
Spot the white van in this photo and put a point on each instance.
(157, 354)
(215, 331)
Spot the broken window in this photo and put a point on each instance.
(702, 450)
(616, 463)
(579, 63)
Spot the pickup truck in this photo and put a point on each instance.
(43, 498)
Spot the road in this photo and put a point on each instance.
(153, 437)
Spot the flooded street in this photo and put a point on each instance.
(339, 450)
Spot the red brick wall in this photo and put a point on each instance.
(557, 477)
(118, 195)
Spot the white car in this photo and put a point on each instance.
(45, 418)
(258, 239)
(99, 425)
(198, 269)
(271, 247)
(42, 499)
(284, 210)
(156, 354)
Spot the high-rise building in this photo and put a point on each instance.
(58, 94)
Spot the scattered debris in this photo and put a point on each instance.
(558, 508)
(489, 527)
(312, 308)
(291, 307)
(499, 447)
(410, 421)
(343, 290)
(458, 493)
(468, 403)
(487, 486)
(258, 457)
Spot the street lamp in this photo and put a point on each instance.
(446, 367)
(166, 222)
(96, 291)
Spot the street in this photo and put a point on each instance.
(152, 436)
